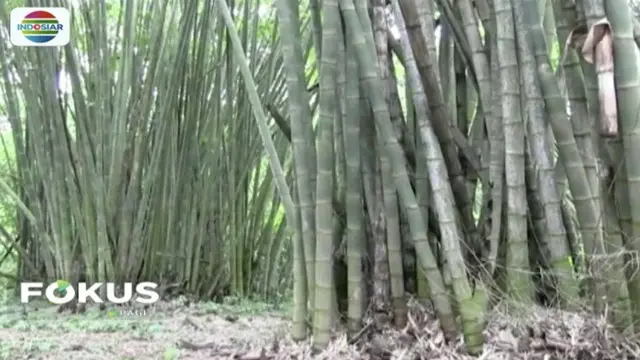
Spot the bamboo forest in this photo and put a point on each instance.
(320, 179)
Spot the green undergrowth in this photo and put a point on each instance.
(42, 316)
(147, 325)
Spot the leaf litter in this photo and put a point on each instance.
(178, 331)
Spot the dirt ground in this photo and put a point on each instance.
(171, 330)
(183, 330)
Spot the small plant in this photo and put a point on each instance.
(170, 353)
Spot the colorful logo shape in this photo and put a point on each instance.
(61, 290)
(40, 26)
(112, 313)
(62, 286)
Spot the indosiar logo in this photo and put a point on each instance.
(32, 26)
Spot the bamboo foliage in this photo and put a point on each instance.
(136, 174)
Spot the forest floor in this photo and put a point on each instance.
(249, 331)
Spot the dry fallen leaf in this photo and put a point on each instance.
(598, 49)
(596, 46)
